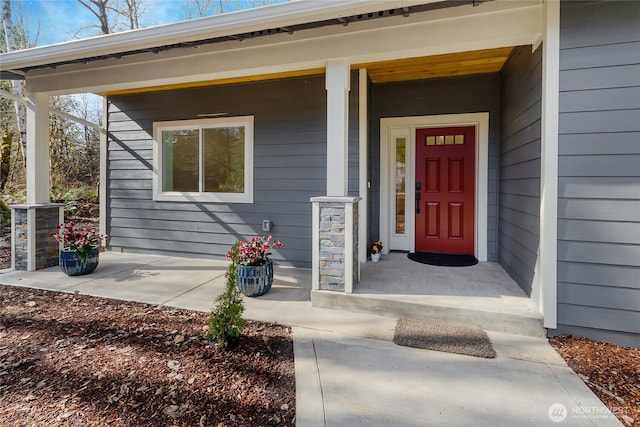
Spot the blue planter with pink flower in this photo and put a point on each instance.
(255, 280)
(72, 264)
(254, 268)
(81, 248)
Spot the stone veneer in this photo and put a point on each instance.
(332, 242)
(337, 264)
(45, 217)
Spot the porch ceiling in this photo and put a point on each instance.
(427, 67)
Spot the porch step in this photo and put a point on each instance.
(528, 323)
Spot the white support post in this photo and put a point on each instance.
(363, 126)
(37, 148)
(315, 247)
(31, 240)
(337, 85)
(349, 237)
(548, 255)
(13, 238)
(103, 169)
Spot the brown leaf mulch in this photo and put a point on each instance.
(5, 246)
(5, 257)
(76, 360)
(612, 372)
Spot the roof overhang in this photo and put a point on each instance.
(11, 75)
(433, 39)
(273, 18)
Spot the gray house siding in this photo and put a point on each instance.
(289, 168)
(519, 201)
(599, 171)
(431, 97)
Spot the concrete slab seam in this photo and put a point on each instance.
(578, 401)
(192, 289)
(315, 357)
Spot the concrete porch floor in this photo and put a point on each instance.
(483, 295)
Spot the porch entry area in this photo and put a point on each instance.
(483, 295)
(433, 183)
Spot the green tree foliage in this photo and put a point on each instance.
(5, 158)
(74, 148)
(226, 322)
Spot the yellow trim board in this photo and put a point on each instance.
(229, 80)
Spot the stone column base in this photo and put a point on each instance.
(32, 227)
(335, 243)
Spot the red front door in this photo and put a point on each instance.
(445, 189)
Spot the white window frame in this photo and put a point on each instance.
(201, 196)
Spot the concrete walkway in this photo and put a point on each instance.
(348, 373)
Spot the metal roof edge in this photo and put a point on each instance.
(227, 24)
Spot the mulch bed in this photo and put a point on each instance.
(5, 246)
(76, 360)
(5, 257)
(612, 372)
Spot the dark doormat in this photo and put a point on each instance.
(443, 260)
(436, 336)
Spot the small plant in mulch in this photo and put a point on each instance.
(226, 322)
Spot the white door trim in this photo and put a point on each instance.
(409, 126)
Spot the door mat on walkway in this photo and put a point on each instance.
(443, 337)
(443, 260)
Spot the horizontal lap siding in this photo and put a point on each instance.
(457, 95)
(599, 171)
(519, 199)
(289, 168)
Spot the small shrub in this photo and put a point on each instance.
(86, 194)
(5, 214)
(79, 202)
(226, 322)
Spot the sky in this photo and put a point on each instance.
(63, 20)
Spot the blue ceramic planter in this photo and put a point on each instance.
(255, 280)
(72, 265)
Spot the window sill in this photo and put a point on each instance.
(203, 197)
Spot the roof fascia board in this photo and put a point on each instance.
(418, 35)
(274, 16)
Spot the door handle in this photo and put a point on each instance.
(418, 196)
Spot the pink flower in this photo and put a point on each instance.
(82, 241)
(255, 251)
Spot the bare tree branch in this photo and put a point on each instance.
(12, 44)
(100, 12)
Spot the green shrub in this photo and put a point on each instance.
(226, 322)
(86, 194)
(5, 214)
